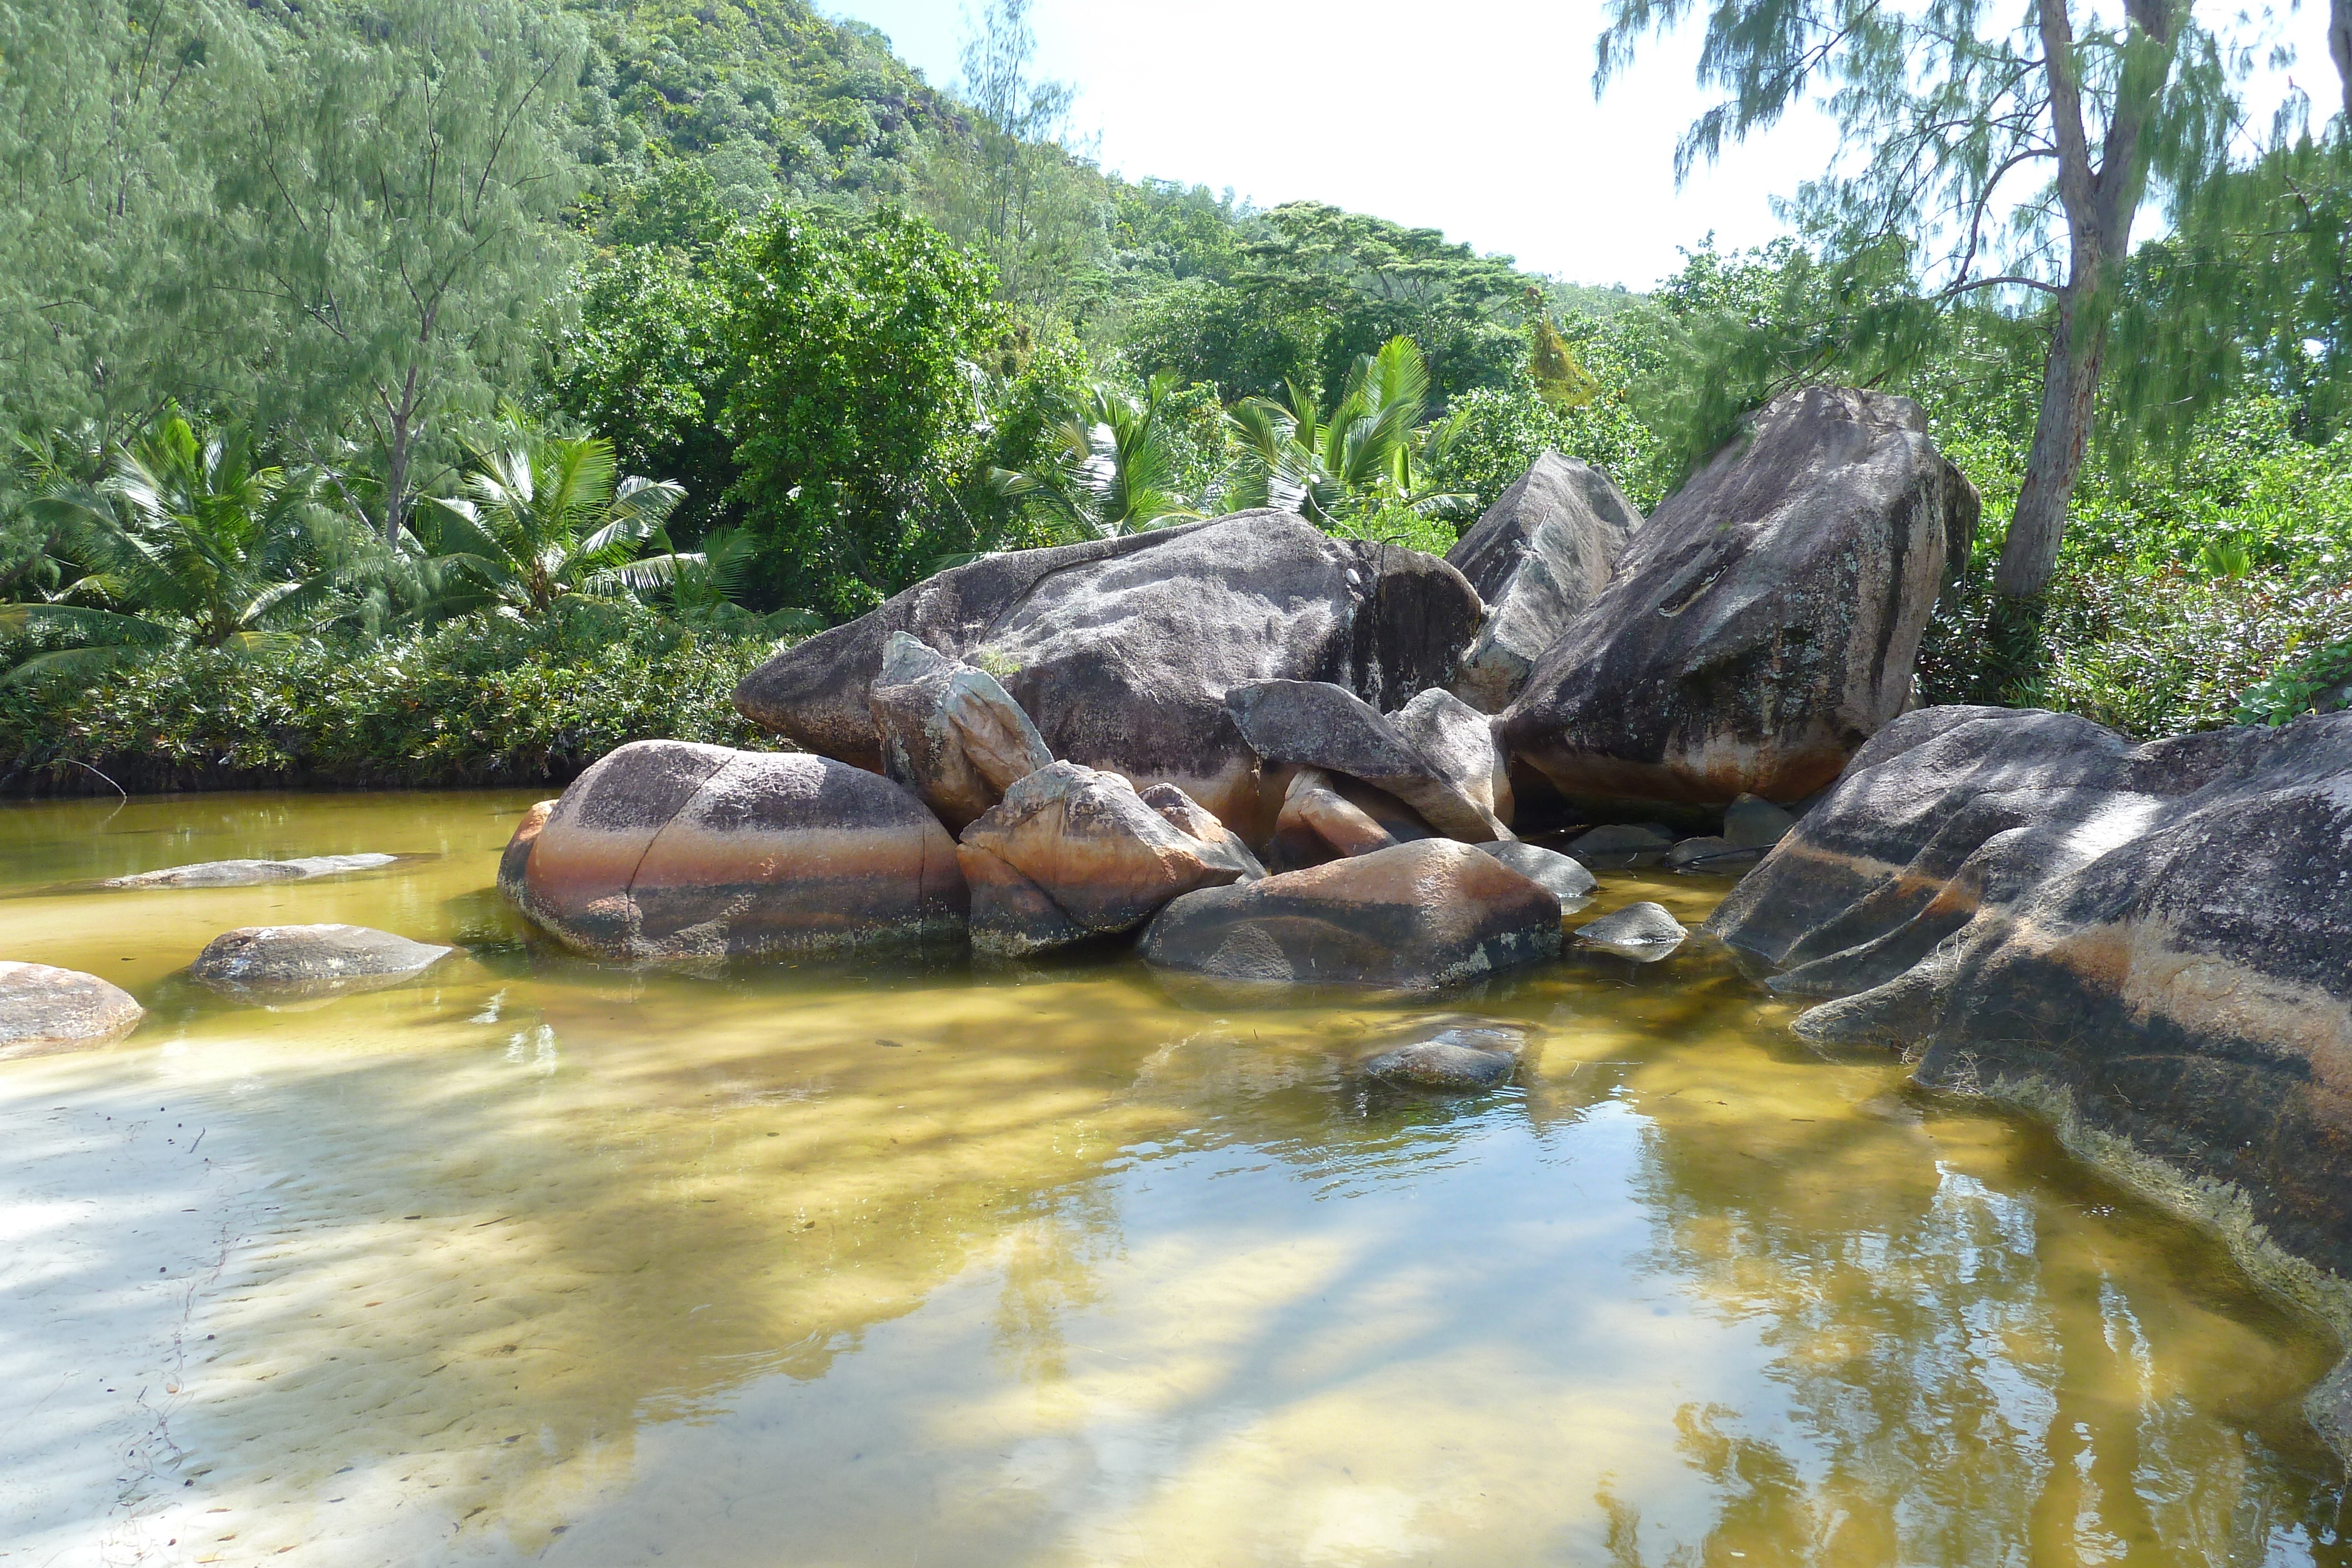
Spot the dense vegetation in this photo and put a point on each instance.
(416, 392)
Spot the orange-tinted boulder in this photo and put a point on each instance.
(669, 849)
(1414, 916)
(1100, 858)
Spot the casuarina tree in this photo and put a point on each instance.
(2010, 143)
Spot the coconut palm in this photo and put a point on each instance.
(541, 517)
(187, 535)
(702, 585)
(1371, 455)
(1112, 471)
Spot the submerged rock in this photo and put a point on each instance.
(1645, 931)
(1321, 725)
(2152, 942)
(1100, 858)
(1413, 916)
(1621, 846)
(1464, 1057)
(1543, 551)
(1711, 853)
(948, 732)
(252, 872)
(285, 962)
(44, 1010)
(668, 849)
(1763, 623)
(1121, 650)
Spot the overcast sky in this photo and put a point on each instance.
(1476, 118)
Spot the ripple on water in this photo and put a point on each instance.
(541, 1260)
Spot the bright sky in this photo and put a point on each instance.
(1484, 125)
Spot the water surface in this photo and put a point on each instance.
(541, 1261)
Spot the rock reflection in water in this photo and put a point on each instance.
(550, 1261)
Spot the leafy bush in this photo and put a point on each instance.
(483, 699)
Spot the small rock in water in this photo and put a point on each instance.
(252, 872)
(1621, 846)
(1712, 854)
(274, 962)
(1464, 1057)
(1753, 823)
(45, 1009)
(1646, 932)
(1565, 875)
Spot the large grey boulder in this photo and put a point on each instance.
(274, 963)
(1413, 916)
(1121, 650)
(252, 873)
(1543, 551)
(44, 1010)
(1322, 725)
(1073, 852)
(948, 732)
(2149, 942)
(1458, 743)
(666, 850)
(1763, 623)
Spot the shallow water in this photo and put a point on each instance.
(541, 1261)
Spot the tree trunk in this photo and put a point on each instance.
(400, 438)
(395, 482)
(2062, 434)
(2339, 44)
(2099, 202)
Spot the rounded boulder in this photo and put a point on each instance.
(668, 849)
(45, 1009)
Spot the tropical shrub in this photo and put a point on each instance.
(480, 699)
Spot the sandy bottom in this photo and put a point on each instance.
(542, 1261)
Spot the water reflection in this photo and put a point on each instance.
(547, 1259)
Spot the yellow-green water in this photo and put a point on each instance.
(545, 1262)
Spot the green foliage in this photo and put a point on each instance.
(2319, 682)
(1373, 454)
(769, 99)
(1552, 366)
(1113, 467)
(646, 359)
(391, 206)
(855, 403)
(2193, 594)
(543, 517)
(477, 700)
(111, 114)
(189, 533)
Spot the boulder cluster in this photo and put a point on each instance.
(1266, 753)
(45, 1009)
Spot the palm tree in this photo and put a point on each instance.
(702, 585)
(1371, 456)
(541, 518)
(187, 535)
(1112, 470)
